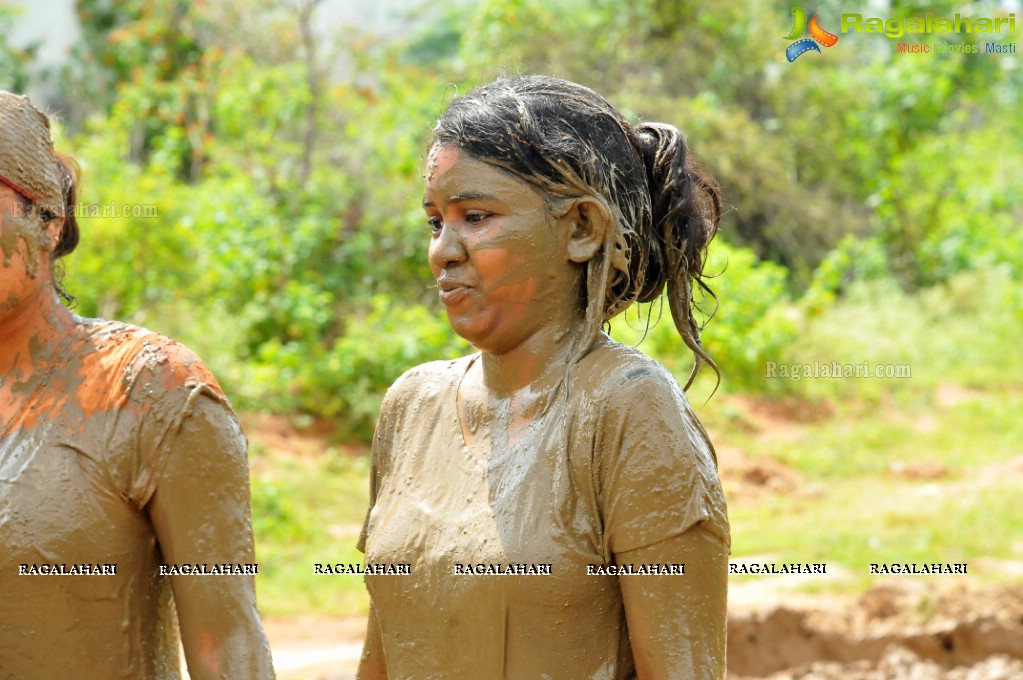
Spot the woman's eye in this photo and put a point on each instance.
(435, 224)
(476, 217)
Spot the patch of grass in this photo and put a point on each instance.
(858, 522)
(307, 511)
(857, 443)
(955, 333)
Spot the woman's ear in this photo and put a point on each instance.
(54, 229)
(587, 221)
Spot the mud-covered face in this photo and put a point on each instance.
(25, 244)
(499, 258)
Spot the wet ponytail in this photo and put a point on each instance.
(685, 210)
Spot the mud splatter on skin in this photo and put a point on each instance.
(30, 229)
(36, 363)
(25, 280)
(494, 239)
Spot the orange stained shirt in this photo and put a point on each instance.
(78, 465)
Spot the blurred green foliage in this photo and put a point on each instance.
(289, 248)
(307, 511)
(757, 323)
(14, 61)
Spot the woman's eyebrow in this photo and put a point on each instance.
(471, 196)
(464, 196)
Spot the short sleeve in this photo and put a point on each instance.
(658, 473)
(166, 382)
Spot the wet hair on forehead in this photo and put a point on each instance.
(569, 142)
(549, 132)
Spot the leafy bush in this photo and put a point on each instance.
(347, 381)
(298, 269)
(752, 321)
(954, 332)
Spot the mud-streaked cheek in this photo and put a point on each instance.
(506, 275)
(17, 228)
(503, 295)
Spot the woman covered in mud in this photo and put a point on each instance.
(119, 458)
(546, 490)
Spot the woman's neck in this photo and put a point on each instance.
(537, 363)
(29, 331)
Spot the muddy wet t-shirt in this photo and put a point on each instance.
(77, 467)
(617, 462)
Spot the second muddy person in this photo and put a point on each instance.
(118, 453)
(553, 446)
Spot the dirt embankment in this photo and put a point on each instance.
(893, 632)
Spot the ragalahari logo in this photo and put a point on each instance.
(818, 35)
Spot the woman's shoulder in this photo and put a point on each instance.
(128, 353)
(612, 370)
(432, 377)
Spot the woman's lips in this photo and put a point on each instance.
(452, 291)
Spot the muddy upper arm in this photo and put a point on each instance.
(201, 514)
(677, 623)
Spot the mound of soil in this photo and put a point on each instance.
(894, 632)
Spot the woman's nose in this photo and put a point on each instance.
(447, 247)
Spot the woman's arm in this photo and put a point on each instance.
(202, 515)
(677, 624)
(372, 666)
(662, 503)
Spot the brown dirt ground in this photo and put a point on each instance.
(898, 630)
